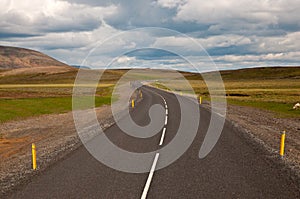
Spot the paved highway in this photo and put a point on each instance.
(234, 169)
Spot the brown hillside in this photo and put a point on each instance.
(12, 58)
(15, 61)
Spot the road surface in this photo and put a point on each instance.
(234, 168)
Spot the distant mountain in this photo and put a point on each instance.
(84, 67)
(13, 58)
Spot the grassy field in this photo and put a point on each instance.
(14, 109)
(273, 89)
(23, 96)
(22, 101)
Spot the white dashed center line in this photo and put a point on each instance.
(151, 173)
(162, 136)
(166, 122)
(147, 186)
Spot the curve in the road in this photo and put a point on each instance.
(151, 173)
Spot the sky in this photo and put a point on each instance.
(173, 34)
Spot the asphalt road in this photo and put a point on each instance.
(234, 169)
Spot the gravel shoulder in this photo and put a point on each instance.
(54, 135)
(265, 130)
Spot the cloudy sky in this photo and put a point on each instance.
(235, 33)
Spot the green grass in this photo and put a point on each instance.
(28, 95)
(15, 109)
(280, 109)
(274, 89)
(269, 93)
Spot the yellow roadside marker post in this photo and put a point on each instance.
(33, 156)
(132, 103)
(200, 100)
(282, 144)
(181, 93)
(141, 94)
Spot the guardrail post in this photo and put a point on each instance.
(282, 144)
(33, 156)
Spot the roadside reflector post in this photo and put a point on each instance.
(282, 144)
(132, 103)
(141, 94)
(180, 92)
(33, 156)
(200, 100)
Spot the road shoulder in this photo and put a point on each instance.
(264, 129)
(55, 137)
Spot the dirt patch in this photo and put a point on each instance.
(54, 136)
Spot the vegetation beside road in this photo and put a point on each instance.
(276, 95)
(12, 109)
(27, 95)
(275, 89)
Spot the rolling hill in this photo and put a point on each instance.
(20, 65)
(14, 61)
(259, 73)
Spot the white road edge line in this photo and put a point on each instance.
(162, 137)
(166, 111)
(166, 120)
(147, 186)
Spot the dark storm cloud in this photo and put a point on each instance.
(75, 26)
(231, 50)
(8, 35)
(150, 54)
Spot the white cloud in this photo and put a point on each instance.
(291, 56)
(186, 43)
(170, 3)
(125, 59)
(256, 32)
(51, 15)
(287, 43)
(243, 12)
